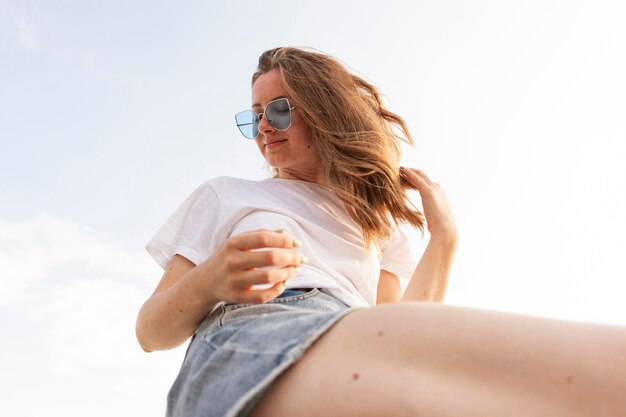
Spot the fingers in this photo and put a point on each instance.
(267, 276)
(435, 202)
(418, 179)
(270, 258)
(416, 175)
(258, 296)
(260, 286)
(263, 248)
(264, 238)
(262, 258)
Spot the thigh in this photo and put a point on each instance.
(422, 358)
(338, 376)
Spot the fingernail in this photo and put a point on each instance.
(296, 243)
(297, 269)
(280, 230)
(285, 282)
(304, 259)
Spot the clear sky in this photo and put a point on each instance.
(111, 113)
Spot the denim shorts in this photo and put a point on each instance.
(240, 349)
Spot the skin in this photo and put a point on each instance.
(296, 158)
(420, 358)
(409, 358)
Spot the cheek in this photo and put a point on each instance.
(299, 125)
(303, 132)
(309, 140)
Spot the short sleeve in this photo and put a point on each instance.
(189, 231)
(397, 255)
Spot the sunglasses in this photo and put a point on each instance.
(277, 113)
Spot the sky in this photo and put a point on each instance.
(111, 113)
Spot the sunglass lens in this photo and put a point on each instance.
(278, 114)
(248, 124)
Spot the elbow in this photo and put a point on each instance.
(139, 334)
(145, 349)
(142, 342)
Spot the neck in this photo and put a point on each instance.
(314, 177)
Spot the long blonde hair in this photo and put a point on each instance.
(357, 139)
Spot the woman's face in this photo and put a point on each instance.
(291, 151)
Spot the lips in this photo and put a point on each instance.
(275, 143)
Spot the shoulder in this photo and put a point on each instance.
(232, 189)
(225, 184)
(266, 183)
(220, 182)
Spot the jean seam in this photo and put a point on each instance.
(232, 307)
(220, 323)
(294, 297)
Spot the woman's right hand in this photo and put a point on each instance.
(188, 292)
(234, 268)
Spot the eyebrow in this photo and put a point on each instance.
(275, 98)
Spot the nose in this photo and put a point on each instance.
(264, 126)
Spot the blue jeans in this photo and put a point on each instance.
(240, 349)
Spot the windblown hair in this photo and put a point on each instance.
(358, 140)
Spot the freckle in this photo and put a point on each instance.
(355, 376)
(171, 267)
(569, 379)
(380, 332)
(308, 147)
(169, 302)
(181, 310)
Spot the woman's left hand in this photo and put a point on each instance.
(439, 218)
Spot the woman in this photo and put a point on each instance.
(290, 285)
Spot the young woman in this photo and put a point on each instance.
(289, 286)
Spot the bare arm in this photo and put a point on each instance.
(430, 278)
(389, 290)
(176, 308)
(188, 292)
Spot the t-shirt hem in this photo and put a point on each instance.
(163, 252)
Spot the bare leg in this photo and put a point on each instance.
(422, 359)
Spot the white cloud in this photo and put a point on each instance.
(75, 293)
(28, 33)
(45, 251)
(20, 23)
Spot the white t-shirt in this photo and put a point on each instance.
(331, 240)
